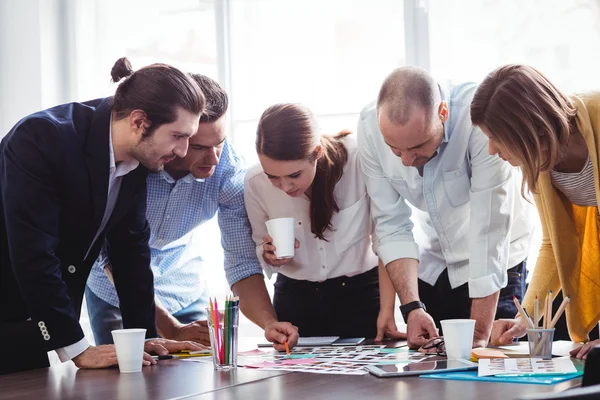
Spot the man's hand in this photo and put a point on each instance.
(582, 351)
(477, 343)
(97, 357)
(420, 328)
(103, 357)
(269, 252)
(196, 331)
(162, 347)
(386, 327)
(505, 330)
(280, 332)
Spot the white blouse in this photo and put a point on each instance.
(347, 252)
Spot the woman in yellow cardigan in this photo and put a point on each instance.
(555, 140)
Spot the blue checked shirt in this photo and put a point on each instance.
(175, 209)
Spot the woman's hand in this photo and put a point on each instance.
(583, 350)
(269, 252)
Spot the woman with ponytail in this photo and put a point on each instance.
(332, 286)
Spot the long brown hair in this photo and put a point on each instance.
(527, 115)
(289, 132)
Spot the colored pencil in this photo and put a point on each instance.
(522, 312)
(536, 312)
(287, 348)
(548, 312)
(560, 310)
(226, 329)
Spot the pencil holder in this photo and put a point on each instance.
(223, 331)
(540, 343)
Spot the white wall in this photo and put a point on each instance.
(31, 76)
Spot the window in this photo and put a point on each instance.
(470, 38)
(329, 55)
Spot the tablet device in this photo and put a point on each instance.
(420, 368)
(348, 341)
(310, 341)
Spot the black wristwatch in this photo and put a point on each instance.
(405, 309)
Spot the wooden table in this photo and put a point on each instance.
(178, 379)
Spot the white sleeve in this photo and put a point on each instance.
(393, 227)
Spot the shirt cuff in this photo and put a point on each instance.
(70, 352)
(389, 252)
(484, 286)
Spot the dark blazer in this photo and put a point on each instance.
(54, 171)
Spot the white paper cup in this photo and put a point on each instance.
(458, 337)
(282, 232)
(129, 344)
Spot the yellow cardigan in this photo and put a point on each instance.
(569, 258)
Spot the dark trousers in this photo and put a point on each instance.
(23, 347)
(443, 302)
(345, 307)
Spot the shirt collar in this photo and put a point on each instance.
(445, 124)
(124, 167)
(186, 179)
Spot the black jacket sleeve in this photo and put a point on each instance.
(30, 162)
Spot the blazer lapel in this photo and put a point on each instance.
(97, 160)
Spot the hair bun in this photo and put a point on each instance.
(121, 69)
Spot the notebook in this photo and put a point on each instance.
(310, 341)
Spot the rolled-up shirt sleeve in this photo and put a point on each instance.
(492, 196)
(391, 214)
(241, 260)
(257, 216)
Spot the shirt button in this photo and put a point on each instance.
(174, 190)
(427, 191)
(42, 324)
(167, 217)
(46, 337)
(320, 249)
(72, 269)
(322, 266)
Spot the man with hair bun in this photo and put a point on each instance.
(186, 194)
(72, 178)
(467, 259)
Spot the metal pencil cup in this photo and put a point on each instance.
(540, 343)
(223, 331)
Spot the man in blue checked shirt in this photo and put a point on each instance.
(187, 193)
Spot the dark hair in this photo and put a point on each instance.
(217, 101)
(288, 132)
(158, 90)
(525, 113)
(404, 88)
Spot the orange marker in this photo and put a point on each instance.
(287, 348)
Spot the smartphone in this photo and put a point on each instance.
(348, 341)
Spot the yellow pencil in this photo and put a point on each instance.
(522, 312)
(560, 310)
(548, 311)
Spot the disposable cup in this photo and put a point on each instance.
(282, 232)
(129, 344)
(458, 337)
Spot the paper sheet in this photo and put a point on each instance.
(525, 366)
(349, 360)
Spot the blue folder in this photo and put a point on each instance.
(472, 376)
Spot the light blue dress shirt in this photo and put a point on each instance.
(174, 210)
(468, 212)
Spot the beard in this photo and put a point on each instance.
(146, 153)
